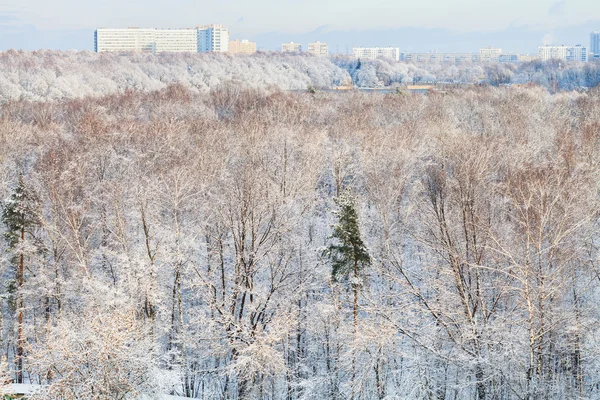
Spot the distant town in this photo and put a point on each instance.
(216, 39)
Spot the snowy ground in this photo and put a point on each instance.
(31, 389)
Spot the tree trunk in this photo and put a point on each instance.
(20, 344)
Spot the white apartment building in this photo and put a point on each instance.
(568, 53)
(291, 47)
(452, 58)
(154, 40)
(175, 40)
(130, 39)
(374, 53)
(242, 47)
(595, 45)
(490, 54)
(213, 38)
(528, 57)
(318, 49)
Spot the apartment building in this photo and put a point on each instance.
(595, 45)
(145, 40)
(175, 40)
(242, 47)
(213, 39)
(452, 58)
(152, 40)
(318, 49)
(508, 58)
(490, 54)
(291, 47)
(528, 57)
(576, 53)
(374, 53)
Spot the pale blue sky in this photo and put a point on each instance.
(447, 25)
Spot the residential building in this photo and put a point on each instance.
(145, 40)
(528, 57)
(374, 53)
(291, 47)
(242, 47)
(595, 45)
(576, 53)
(508, 58)
(152, 40)
(213, 38)
(452, 58)
(175, 40)
(490, 54)
(318, 49)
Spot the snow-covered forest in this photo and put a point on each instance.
(221, 241)
(52, 76)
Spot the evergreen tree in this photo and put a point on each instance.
(348, 255)
(347, 252)
(19, 216)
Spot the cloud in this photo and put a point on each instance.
(240, 20)
(557, 8)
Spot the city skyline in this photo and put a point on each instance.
(32, 24)
(215, 38)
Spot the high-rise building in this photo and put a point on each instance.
(175, 40)
(568, 53)
(374, 53)
(595, 45)
(213, 38)
(145, 40)
(291, 47)
(242, 47)
(318, 49)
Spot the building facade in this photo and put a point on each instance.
(152, 40)
(242, 47)
(452, 58)
(567, 53)
(595, 45)
(318, 49)
(494, 55)
(145, 40)
(213, 39)
(291, 47)
(508, 58)
(374, 53)
(490, 54)
(175, 40)
(528, 57)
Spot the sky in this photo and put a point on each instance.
(422, 25)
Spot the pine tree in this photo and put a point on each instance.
(19, 216)
(347, 252)
(348, 255)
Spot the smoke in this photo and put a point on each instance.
(548, 39)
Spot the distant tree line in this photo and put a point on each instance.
(53, 76)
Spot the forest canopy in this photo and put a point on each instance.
(249, 243)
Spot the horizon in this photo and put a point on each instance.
(431, 25)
